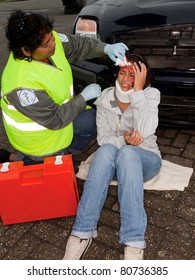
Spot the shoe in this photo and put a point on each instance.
(76, 248)
(131, 253)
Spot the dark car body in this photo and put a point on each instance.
(163, 32)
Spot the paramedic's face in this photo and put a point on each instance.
(126, 78)
(46, 49)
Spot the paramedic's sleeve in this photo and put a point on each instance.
(47, 113)
(78, 48)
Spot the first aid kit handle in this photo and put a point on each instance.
(32, 174)
(58, 160)
(5, 167)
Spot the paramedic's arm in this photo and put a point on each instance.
(78, 48)
(47, 113)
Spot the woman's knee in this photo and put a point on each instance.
(127, 153)
(107, 152)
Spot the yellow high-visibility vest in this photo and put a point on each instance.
(24, 134)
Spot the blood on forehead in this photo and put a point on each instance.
(128, 68)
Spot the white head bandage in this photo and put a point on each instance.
(122, 63)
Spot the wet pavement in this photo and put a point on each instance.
(171, 214)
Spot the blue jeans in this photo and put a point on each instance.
(84, 129)
(132, 166)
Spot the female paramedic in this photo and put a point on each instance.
(40, 115)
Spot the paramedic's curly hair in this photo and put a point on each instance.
(26, 30)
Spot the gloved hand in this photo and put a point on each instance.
(115, 51)
(91, 91)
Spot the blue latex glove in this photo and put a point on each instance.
(91, 91)
(115, 51)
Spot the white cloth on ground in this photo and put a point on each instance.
(171, 176)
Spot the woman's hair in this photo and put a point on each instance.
(26, 30)
(133, 57)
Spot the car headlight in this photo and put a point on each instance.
(86, 27)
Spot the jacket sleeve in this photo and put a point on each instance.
(145, 110)
(78, 48)
(105, 134)
(47, 113)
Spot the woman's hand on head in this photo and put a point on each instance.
(140, 75)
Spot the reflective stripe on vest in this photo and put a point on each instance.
(30, 126)
(71, 91)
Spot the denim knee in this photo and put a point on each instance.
(107, 151)
(126, 152)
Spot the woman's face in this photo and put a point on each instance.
(46, 49)
(126, 78)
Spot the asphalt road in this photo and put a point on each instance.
(41, 5)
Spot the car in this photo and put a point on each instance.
(163, 32)
(73, 6)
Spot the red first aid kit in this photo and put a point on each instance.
(38, 192)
